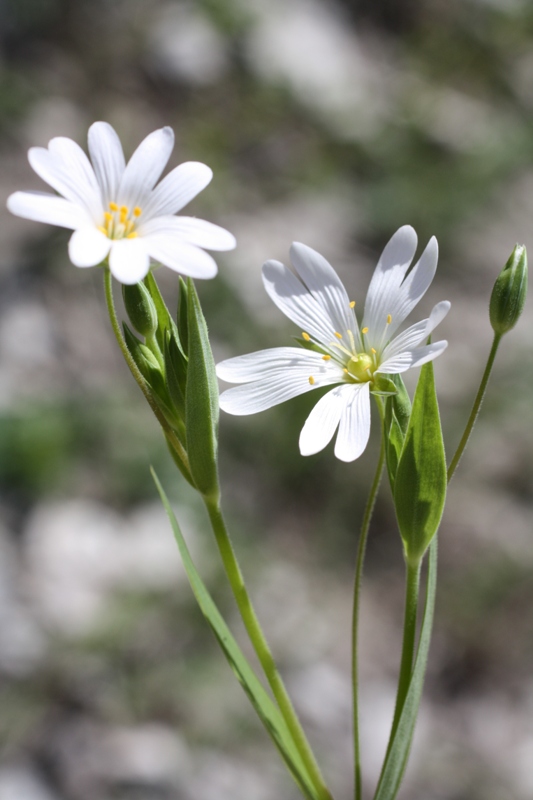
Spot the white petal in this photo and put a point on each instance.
(354, 428)
(194, 231)
(88, 247)
(297, 303)
(417, 333)
(412, 358)
(107, 158)
(322, 422)
(290, 360)
(250, 398)
(50, 208)
(51, 166)
(170, 250)
(325, 286)
(128, 260)
(145, 167)
(386, 281)
(415, 285)
(178, 188)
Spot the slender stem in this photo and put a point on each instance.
(412, 590)
(134, 369)
(361, 549)
(475, 408)
(261, 647)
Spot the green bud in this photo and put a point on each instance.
(141, 308)
(509, 292)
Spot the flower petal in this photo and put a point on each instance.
(264, 363)
(322, 422)
(49, 208)
(145, 167)
(415, 285)
(298, 304)
(354, 427)
(170, 250)
(197, 232)
(178, 188)
(386, 280)
(88, 247)
(53, 172)
(108, 159)
(128, 260)
(417, 333)
(412, 358)
(325, 286)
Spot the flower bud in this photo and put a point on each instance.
(509, 292)
(141, 308)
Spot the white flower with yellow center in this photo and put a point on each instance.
(114, 209)
(348, 356)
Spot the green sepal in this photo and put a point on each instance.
(309, 345)
(201, 400)
(140, 308)
(176, 373)
(384, 387)
(166, 323)
(509, 292)
(265, 708)
(421, 480)
(400, 403)
(183, 325)
(393, 447)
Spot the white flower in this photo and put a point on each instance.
(350, 356)
(114, 209)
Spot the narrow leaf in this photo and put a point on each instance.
(166, 323)
(420, 484)
(201, 400)
(182, 317)
(398, 754)
(394, 445)
(267, 711)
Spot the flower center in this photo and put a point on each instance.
(120, 222)
(360, 366)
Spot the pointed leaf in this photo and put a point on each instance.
(166, 323)
(393, 445)
(183, 327)
(267, 711)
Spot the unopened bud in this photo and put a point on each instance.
(509, 293)
(141, 308)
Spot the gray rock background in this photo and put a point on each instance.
(331, 123)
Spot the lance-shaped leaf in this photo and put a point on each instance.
(201, 400)
(420, 483)
(183, 328)
(398, 752)
(397, 414)
(267, 711)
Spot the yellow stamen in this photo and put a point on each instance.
(306, 336)
(326, 358)
(352, 340)
(113, 206)
(352, 304)
(345, 370)
(108, 216)
(338, 335)
(389, 319)
(124, 209)
(311, 380)
(137, 211)
(132, 235)
(103, 230)
(365, 330)
(374, 351)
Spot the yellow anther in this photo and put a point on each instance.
(311, 380)
(108, 216)
(338, 335)
(326, 358)
(137, 211)
(365, 330)
(352, 304)
(124, 209)
(345, 370)
(374, 351)
(113, 206)
(306, 336)
(103, 230)
(389, 319)
(132, 235)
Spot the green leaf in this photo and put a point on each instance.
(201, 401)
(265, 708)
(166, 323)
(401, 403)
(393, 447)
(176, 374)
(398, 753)
(420, 484)
(183, 326)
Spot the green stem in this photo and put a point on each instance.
(412, 589)
(475, 408)
(134, 369)
(260, 645)
(361, 549)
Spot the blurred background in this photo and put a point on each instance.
(332, 122)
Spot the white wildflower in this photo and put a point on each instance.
(348, 356)
(116, 210)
